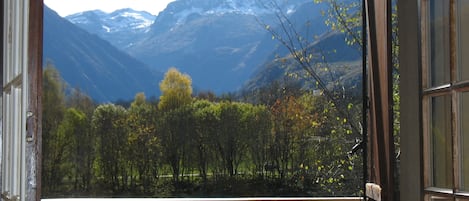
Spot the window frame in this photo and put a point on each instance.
(20, 121)
(454, 89)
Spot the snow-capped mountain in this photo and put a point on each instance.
(93, 64)
(179, 11)
(219, 43)
(121, 27)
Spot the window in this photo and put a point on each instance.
(446, 99)
(294, 147)
(14, 97)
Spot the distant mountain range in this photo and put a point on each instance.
(93, 64)
(122, 28)
(222, 44)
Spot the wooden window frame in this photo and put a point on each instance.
(454, 89)
(26, 127)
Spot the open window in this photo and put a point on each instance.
(21, 50)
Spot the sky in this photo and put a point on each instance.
(67, 7)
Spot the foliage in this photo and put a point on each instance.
(176, 90)
(287, 141)
(53, 99)
(108, 124)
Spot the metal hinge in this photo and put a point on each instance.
(30, 120)
(7, 197)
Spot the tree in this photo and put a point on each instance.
(257, 127)
(176, 121)
(231, 141)
(206, 123)
(144, 147)
(78, 151)
(82, 107)
(176, 90)
(53, 100)
(109, 126)
(335, 125)
(176, 134)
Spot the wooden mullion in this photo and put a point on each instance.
(34, 131)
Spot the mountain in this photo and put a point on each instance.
(222, 44)
(94, 65)
(343, 63)
(121, 28)
(219, 43)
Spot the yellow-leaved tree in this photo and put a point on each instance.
(176, 90)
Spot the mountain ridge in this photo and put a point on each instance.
(223, 44)
(94, 65)
(121, 28)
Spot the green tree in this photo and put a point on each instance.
(109, 126)
(257, 127)
(53, 100)
(206, 123)
(231, 141)
(83, 107)
(78, 151)
(176, 134)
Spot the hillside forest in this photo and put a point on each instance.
(281, 140)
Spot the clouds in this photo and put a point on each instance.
(67, 7)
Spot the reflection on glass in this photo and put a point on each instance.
(439, 198)
(463, 40)
(439, 42)
(465, 141)
(440, 148)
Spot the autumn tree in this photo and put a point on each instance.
(144, 147)
(176, 90)
(176, 121)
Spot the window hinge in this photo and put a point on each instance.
(29, 124)
(7, 197)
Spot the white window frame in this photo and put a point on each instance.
(15, 99)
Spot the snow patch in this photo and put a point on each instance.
(108, 30)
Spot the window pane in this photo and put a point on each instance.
(463, 40)
(439, 43)
(465, 141)
(440, 148)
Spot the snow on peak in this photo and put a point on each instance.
(180, 10)
(119, 20)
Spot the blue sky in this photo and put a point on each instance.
(67, 7)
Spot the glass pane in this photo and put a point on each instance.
(463, 40)
(440, 149)
(464, 141)
(439, 43)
